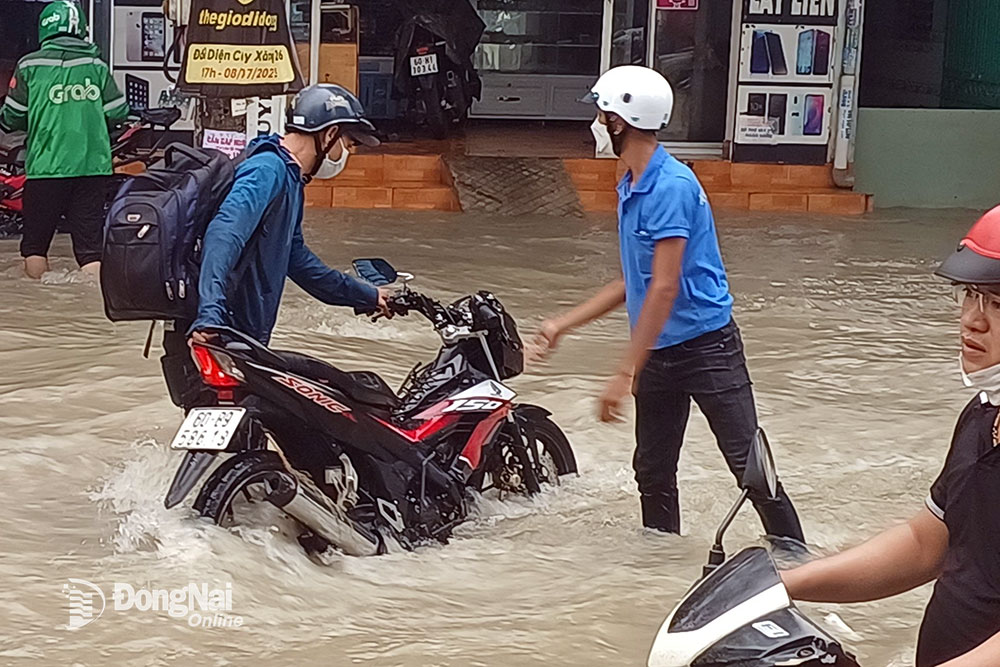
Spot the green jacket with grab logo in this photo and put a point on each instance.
(64, 96)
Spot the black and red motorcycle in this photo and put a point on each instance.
(354, 462)
(129, 141)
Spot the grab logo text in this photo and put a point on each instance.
(76, 92)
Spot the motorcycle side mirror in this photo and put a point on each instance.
(759, 477)
(376, 271)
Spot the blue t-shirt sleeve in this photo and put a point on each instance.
(670, 209)
(258, 180)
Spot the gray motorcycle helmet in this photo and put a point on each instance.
(318, 107)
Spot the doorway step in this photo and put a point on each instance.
(733, 186)
(402, 182)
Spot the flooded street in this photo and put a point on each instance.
(851, 343)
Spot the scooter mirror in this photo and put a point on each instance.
(376, 271)
(761, 475)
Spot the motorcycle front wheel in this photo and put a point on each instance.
(542, 460)
(10, 224)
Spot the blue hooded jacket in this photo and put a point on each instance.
(268, 177)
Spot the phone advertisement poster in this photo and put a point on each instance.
(786, 54)
(775, 116)
(143, 39)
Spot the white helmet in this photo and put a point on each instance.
(639, 95)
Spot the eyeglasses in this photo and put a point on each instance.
(988, 302)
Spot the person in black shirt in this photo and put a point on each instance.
(955, 539)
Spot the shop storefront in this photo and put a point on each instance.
(755, 80)
(538, 56)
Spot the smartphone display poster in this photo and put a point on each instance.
(770, 115)
(792, 54)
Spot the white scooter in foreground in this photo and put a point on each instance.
(739, 614)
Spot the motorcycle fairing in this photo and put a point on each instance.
(785, 637)
(740, 578)
(719, 605)
(486, 396)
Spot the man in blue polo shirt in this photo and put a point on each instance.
(685, 344)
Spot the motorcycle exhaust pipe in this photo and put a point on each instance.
(331, 525)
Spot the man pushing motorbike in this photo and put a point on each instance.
(954, 539)
(63, 95)
(261, 218)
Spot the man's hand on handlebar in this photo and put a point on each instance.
(384, 294)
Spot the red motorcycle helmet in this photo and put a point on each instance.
(977, 260)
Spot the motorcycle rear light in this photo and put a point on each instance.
(423, 50)
(217, 369)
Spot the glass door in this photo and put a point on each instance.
(626, 29)
(691, 48)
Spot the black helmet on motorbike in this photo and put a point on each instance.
(324, 105)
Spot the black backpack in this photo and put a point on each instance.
(153, 234)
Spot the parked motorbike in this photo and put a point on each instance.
(740, 612)
(127, 139)
(434, 69)
(354, 462)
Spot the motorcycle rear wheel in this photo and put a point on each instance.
(246, 477)
(437, 121)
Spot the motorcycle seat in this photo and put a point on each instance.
(10, 141)
(362, 386)
(164, 117)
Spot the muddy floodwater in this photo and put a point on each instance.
(851, 343)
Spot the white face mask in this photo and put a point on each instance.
(602, 138)
(332, 168)
(986, 380)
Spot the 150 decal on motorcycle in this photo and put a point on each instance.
(485, 396)
(473, 405)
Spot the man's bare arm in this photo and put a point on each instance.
(898, 560)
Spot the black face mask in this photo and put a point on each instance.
(618, 142)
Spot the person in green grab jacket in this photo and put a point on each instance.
(63, 95)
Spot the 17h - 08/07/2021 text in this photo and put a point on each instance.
(241, 73)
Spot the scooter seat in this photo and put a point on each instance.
(364, 386)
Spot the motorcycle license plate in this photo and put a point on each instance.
(208, 428)
(420, 65)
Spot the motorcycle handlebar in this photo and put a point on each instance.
(404, 301)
